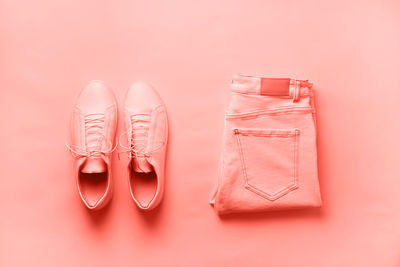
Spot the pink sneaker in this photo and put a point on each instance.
(146, 135)
(93, 126)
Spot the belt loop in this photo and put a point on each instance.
(298, 87)
(294, 90)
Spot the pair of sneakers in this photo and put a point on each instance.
(144, 138)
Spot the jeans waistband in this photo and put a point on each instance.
(278, 87)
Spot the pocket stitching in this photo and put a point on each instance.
(261, 192)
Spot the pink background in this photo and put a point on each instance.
(189, 51)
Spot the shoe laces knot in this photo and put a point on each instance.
(139, 135)
(94, 136)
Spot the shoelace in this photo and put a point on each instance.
(94, 126)
(140, 128)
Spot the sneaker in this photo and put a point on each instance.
(92, 129)
(146, 136)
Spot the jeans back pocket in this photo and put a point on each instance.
(269, 159)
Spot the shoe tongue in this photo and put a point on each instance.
(94, 165)
(141, 165)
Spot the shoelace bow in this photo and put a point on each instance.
(94, 126)
(139, 137)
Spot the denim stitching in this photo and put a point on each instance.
(274, 111)
(258, 191)
(296, 155)
(236, 132)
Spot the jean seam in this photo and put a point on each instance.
(274, 111)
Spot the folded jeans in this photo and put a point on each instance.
(269, 155)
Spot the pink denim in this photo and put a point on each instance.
(269, 156)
